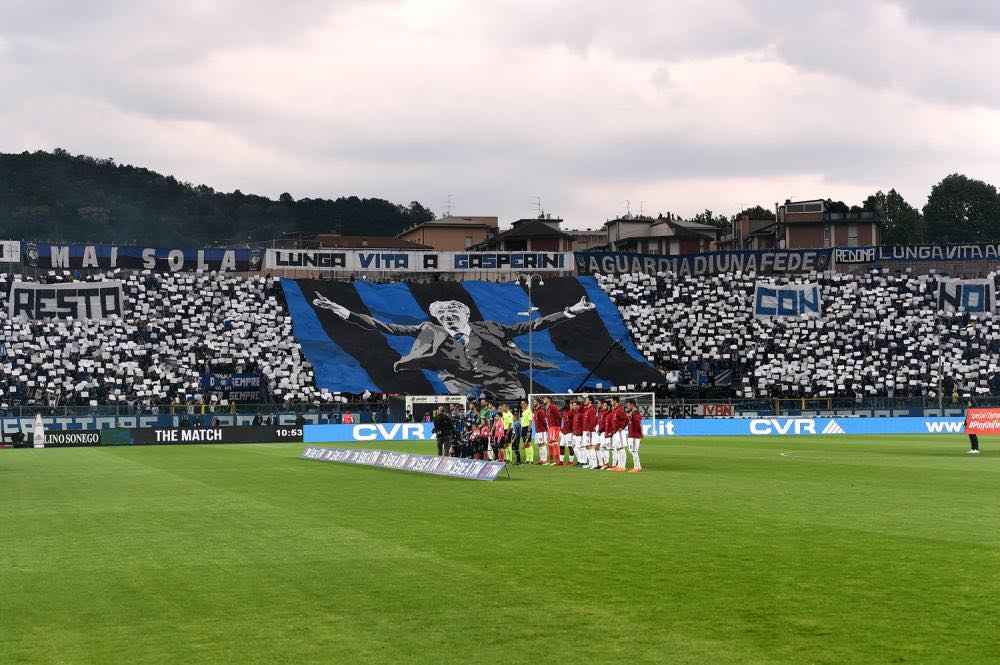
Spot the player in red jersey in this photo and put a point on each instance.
(554, 419)
(541, 433)
(589, 442)
(566, 435)
(619, 423)
(578, 434)
(604, 454)
(634, 434)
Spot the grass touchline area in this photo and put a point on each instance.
(727, 550)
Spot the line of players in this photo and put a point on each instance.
(598, 435)
(585, 433)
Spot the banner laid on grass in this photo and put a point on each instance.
(453, 467)
(461, 338)
(982, 421)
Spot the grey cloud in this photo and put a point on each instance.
(975, 14)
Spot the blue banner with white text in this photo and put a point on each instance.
(764, 261)
(801, 426)
(50, 256)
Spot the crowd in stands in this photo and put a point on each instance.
(176, 327)
(879, 334)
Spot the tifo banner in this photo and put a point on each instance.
(357, 260)
(801, 426)
(368, 432)
(164, 259)
(982, 421)
(975, 296)
(10, 251)
(769, 261)
(233, 387)
(167, 436)
(77, 300)
(453, 467)
(788, 300)
(461, 338)
(917, 253)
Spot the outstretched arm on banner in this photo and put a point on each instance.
(363, 320)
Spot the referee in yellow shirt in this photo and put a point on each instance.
(525, 439)
(507, 416)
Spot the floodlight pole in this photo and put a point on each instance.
(528, 279)
(940, 372)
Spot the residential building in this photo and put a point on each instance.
(810, 224)
(452, 233)
(587, 239)
(662, 235)
(335, 240)
(540, 234)
(750, 234)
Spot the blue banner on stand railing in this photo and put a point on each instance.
(800, 426)
(50, 256)
(453, 467)
(764, 261)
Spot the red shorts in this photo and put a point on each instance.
(554, 433)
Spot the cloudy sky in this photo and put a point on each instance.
(673, 105)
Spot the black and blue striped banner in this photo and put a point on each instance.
(461, 337)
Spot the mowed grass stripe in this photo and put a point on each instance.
(724, 552)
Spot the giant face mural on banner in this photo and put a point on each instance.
(462, 337)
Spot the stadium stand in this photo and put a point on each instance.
(881, 334)
(176, 327)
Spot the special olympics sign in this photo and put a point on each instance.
(354, 260)
(982, 421)
(453, 467)
(78, 300)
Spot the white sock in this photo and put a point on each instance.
(618, 457)
(543, 453)
(605, 457)
(635, 460)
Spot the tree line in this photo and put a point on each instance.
(76, 198)
(959, 209)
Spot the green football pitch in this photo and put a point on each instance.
(777, 550)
